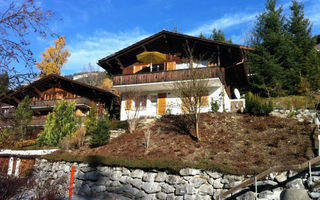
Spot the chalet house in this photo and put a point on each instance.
(47, 90)
(223, 63)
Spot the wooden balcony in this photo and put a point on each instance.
(45, 104)
(165, 76)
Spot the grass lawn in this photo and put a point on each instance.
(230, 142)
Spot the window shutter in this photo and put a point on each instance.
(171, 66)
(184, 108)
(128, 104)
(205, 100)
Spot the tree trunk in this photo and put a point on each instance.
(197, 126)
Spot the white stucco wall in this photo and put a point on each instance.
(173, 104)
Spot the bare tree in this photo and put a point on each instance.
(17, 21)
(134, 103)
(193, 91)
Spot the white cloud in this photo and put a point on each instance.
(225, 22)
(100, 44)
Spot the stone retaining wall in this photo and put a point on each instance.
(104, 182)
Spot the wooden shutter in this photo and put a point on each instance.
(171, 66)
(161, 104)
(128, 104)
(184, 108)
(205, 100)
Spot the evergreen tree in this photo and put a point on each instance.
(91, 121)
(60, 123)
(22, 117)
(101, 133)
(305, 65)
(284, 60)
(218, 35)
(202, 36)
(269, 42)
(4, 83)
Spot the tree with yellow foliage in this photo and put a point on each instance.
(54, 58)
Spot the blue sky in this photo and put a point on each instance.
(97, 28)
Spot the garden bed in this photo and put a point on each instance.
(231, 143)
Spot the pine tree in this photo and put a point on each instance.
(304, 66)
(91, 121)
(101, 133)
(22, 117)
(54, 58)
(60, 123)
(218, 35)
(269, 42)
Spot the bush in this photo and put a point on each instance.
(254, 105)
(60, 122)
(214, 106)
(91, 121)
(25, 143)
(101, 133)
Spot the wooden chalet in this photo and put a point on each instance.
(228, 58)
(47, 90)
(223, 63)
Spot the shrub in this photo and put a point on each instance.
(101, 133)
(22, 117)
(60, 122)
(91, 121)
(214, 106)
(25, 143)
(254, 105)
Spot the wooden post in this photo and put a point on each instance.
(309, 164)
(255, 188)
(318, 145)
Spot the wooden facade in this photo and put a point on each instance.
(228, 58)
(164, 76)
(46, 91)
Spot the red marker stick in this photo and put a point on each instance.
(71, 182)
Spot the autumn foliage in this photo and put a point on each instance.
(54, 58)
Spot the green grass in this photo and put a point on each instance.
(172, 166)
(296, 102)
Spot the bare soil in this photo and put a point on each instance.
(239, 142)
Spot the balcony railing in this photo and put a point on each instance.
(81, 101)
(164, 76)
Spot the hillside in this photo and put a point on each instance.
(233, 143)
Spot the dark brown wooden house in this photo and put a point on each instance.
(47, 90)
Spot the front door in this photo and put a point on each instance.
(161, 104)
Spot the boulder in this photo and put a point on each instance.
(214, 175)
(296, 184)
(173, 180)
(166, 188)
(151, 187)
(160, 177)
(217, 184)
(136, 183)
(149, 177)
(247, 196)
(206, 189)
(281, 177)
(161, 195)
(197, 181)
(295, 194)
(189, 172)
(137, 173)
(92, 175)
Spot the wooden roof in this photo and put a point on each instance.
(170, 43)
(53, 80)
